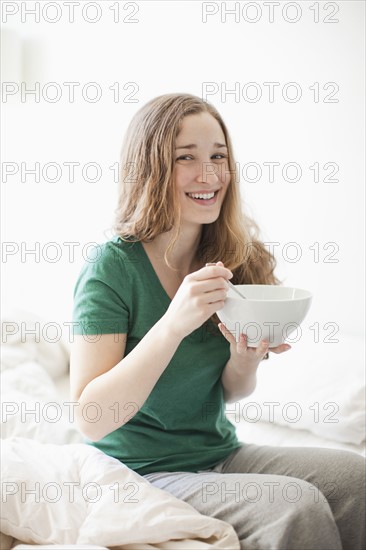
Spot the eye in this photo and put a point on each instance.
(185, 157)
(219, 156)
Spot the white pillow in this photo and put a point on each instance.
(30, 407)
(46, 345)
(79, 495)
(319, 387)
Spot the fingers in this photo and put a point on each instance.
(264, 348)
(261, 351)
(212, 271)
(241, 343)
(280, 349)
(229, 335)
(208, 286)
(208, 292)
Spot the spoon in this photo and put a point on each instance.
(231, 285)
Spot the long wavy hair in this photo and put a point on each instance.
(148, 203)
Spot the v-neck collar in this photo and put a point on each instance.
(150, 268)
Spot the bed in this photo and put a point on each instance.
(313, 395)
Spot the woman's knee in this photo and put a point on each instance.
(305, 499)
(342, 477)
(307, 519)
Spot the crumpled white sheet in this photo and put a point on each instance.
(27, 337)
(31, 365)
(76, 494)
(319, 387)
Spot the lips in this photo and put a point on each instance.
(207, 198)
(204, 196)
(204, 193)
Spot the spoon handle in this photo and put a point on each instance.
(236, 290)
(230, 284)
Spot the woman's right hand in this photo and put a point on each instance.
(200, 295)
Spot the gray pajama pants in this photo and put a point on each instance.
(283, 498)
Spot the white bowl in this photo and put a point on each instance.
(269, 313)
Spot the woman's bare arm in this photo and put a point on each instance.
(111, 388)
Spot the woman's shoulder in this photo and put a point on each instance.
(115, 249)
(109, 257)
(108, 264)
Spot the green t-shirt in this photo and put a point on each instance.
(182, 425)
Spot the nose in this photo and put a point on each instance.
(208, 173)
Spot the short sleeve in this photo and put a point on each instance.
(100, 293)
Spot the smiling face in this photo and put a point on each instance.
(201, 168)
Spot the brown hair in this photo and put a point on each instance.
(148, 205)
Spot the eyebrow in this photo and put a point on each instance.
(194, 146)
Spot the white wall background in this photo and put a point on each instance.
(170, 49)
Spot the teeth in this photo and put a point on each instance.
(201, 196)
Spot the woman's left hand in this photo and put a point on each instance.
(242, 356)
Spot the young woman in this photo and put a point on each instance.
(150, 353)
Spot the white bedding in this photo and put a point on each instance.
(76, 494)
(265, 433)
(317, 387)
(44, 446)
